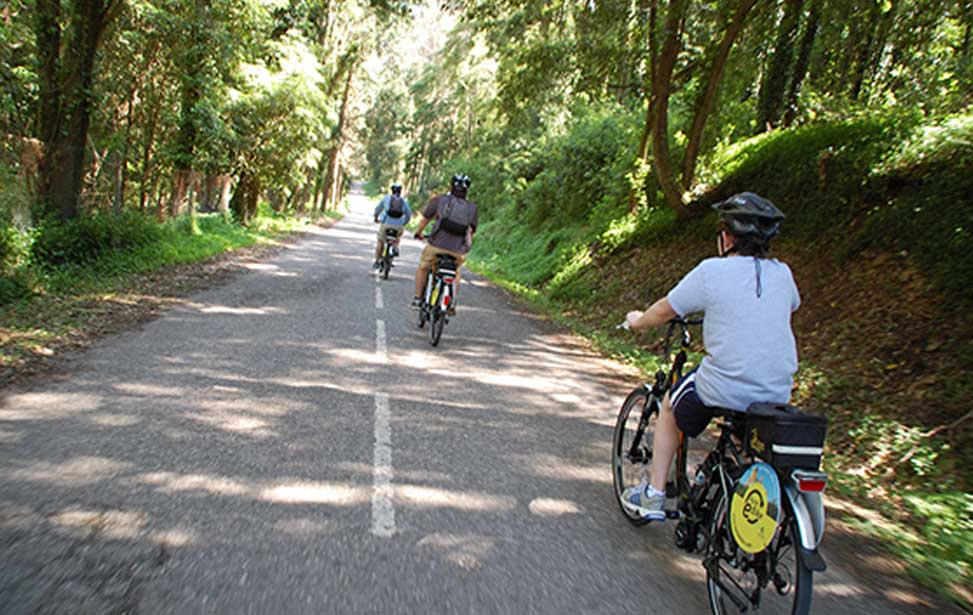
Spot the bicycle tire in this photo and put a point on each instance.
(637, 400)
(436, 324)
(796, 601)
(386, 265)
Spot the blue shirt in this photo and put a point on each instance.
(381, 211)
(751, 355)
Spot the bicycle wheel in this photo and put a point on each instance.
(632, 445)
(786, 579)
(386, 263)
(436, 324)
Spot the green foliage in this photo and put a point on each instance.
(91, 236)
(545, 198)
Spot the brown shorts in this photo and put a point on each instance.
(428, 259)
(382, 227)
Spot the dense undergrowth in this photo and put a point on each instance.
(878, 233)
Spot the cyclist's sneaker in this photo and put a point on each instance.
(416, 303)
(645, 502)
(451, 310)
(395, 251)
(377, 265)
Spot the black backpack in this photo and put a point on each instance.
(396, 207)
(457, 217)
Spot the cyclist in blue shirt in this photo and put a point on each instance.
(747, 299)
(392, 212)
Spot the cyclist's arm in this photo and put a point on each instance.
(659, 314)
(422, 226)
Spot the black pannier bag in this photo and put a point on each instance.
(785, 437)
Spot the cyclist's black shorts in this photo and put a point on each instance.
(692, 415)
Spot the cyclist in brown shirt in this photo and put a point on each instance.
(456, 220)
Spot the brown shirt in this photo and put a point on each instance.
(440, 238)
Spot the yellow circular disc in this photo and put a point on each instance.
(755, 508)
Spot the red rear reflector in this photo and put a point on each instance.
(809, 484)
(446, 300)
(448, 280)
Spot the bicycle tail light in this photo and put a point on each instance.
(809, 481)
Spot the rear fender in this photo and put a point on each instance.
(809, 514)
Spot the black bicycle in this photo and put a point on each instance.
(390, 250)
(438, 297)
(753, 508)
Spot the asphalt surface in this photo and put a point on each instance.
(289, 442)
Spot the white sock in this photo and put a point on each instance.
(652, 491)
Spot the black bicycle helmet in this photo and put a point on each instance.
(750, 215)
(459, 185)
(396, 188)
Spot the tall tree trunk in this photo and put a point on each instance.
(223, 205)
(774, 87)
(66, 91)
(864, 52)
(792, 106)
(180, 191)
(874, 62)
(661, 88)
(331, 194)
(646, 139)
(244, 201)
(705, 105)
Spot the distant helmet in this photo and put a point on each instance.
(750, 215)
(460, 184)
(396, 188)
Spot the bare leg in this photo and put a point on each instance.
(421, 275)
(664, 441)
(378, 250)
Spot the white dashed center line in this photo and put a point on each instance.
(378, 298)
(380, 346)
(383, 512)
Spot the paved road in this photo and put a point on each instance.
(290, 443)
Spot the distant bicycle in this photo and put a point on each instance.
(390, 250)
(438, 297)
(753, 508)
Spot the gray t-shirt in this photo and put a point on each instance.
(751, 354)
(441, 239)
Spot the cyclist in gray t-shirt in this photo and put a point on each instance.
(747, 299)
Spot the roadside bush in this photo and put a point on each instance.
(86, 238)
